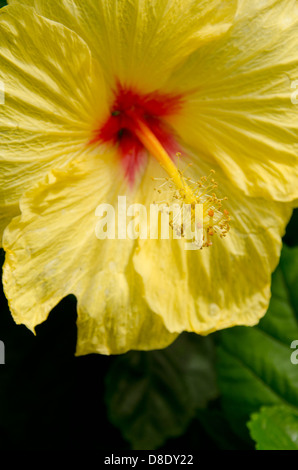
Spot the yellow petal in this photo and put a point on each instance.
(140, 42)
(241, 112)
(221, 286)
(53, 93)
(52, 251)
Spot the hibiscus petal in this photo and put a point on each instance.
(221, 286)
(52, 251)
(140, 42)
(239, 110)
(53, 94)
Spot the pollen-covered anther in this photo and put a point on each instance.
(199, 224)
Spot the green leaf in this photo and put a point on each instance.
(275, 428)
(152, 396)
(2, 3)
(254, 364)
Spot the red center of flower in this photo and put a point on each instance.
(130, 110)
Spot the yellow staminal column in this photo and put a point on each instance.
(152, 144)
(215, 219)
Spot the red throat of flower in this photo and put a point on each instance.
(135, 116)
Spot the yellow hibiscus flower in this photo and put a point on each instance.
(99, 96)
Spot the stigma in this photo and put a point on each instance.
(214, 219)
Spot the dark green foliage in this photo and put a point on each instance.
(254, 364)
(153, 396)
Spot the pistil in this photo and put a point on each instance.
(140, 122)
